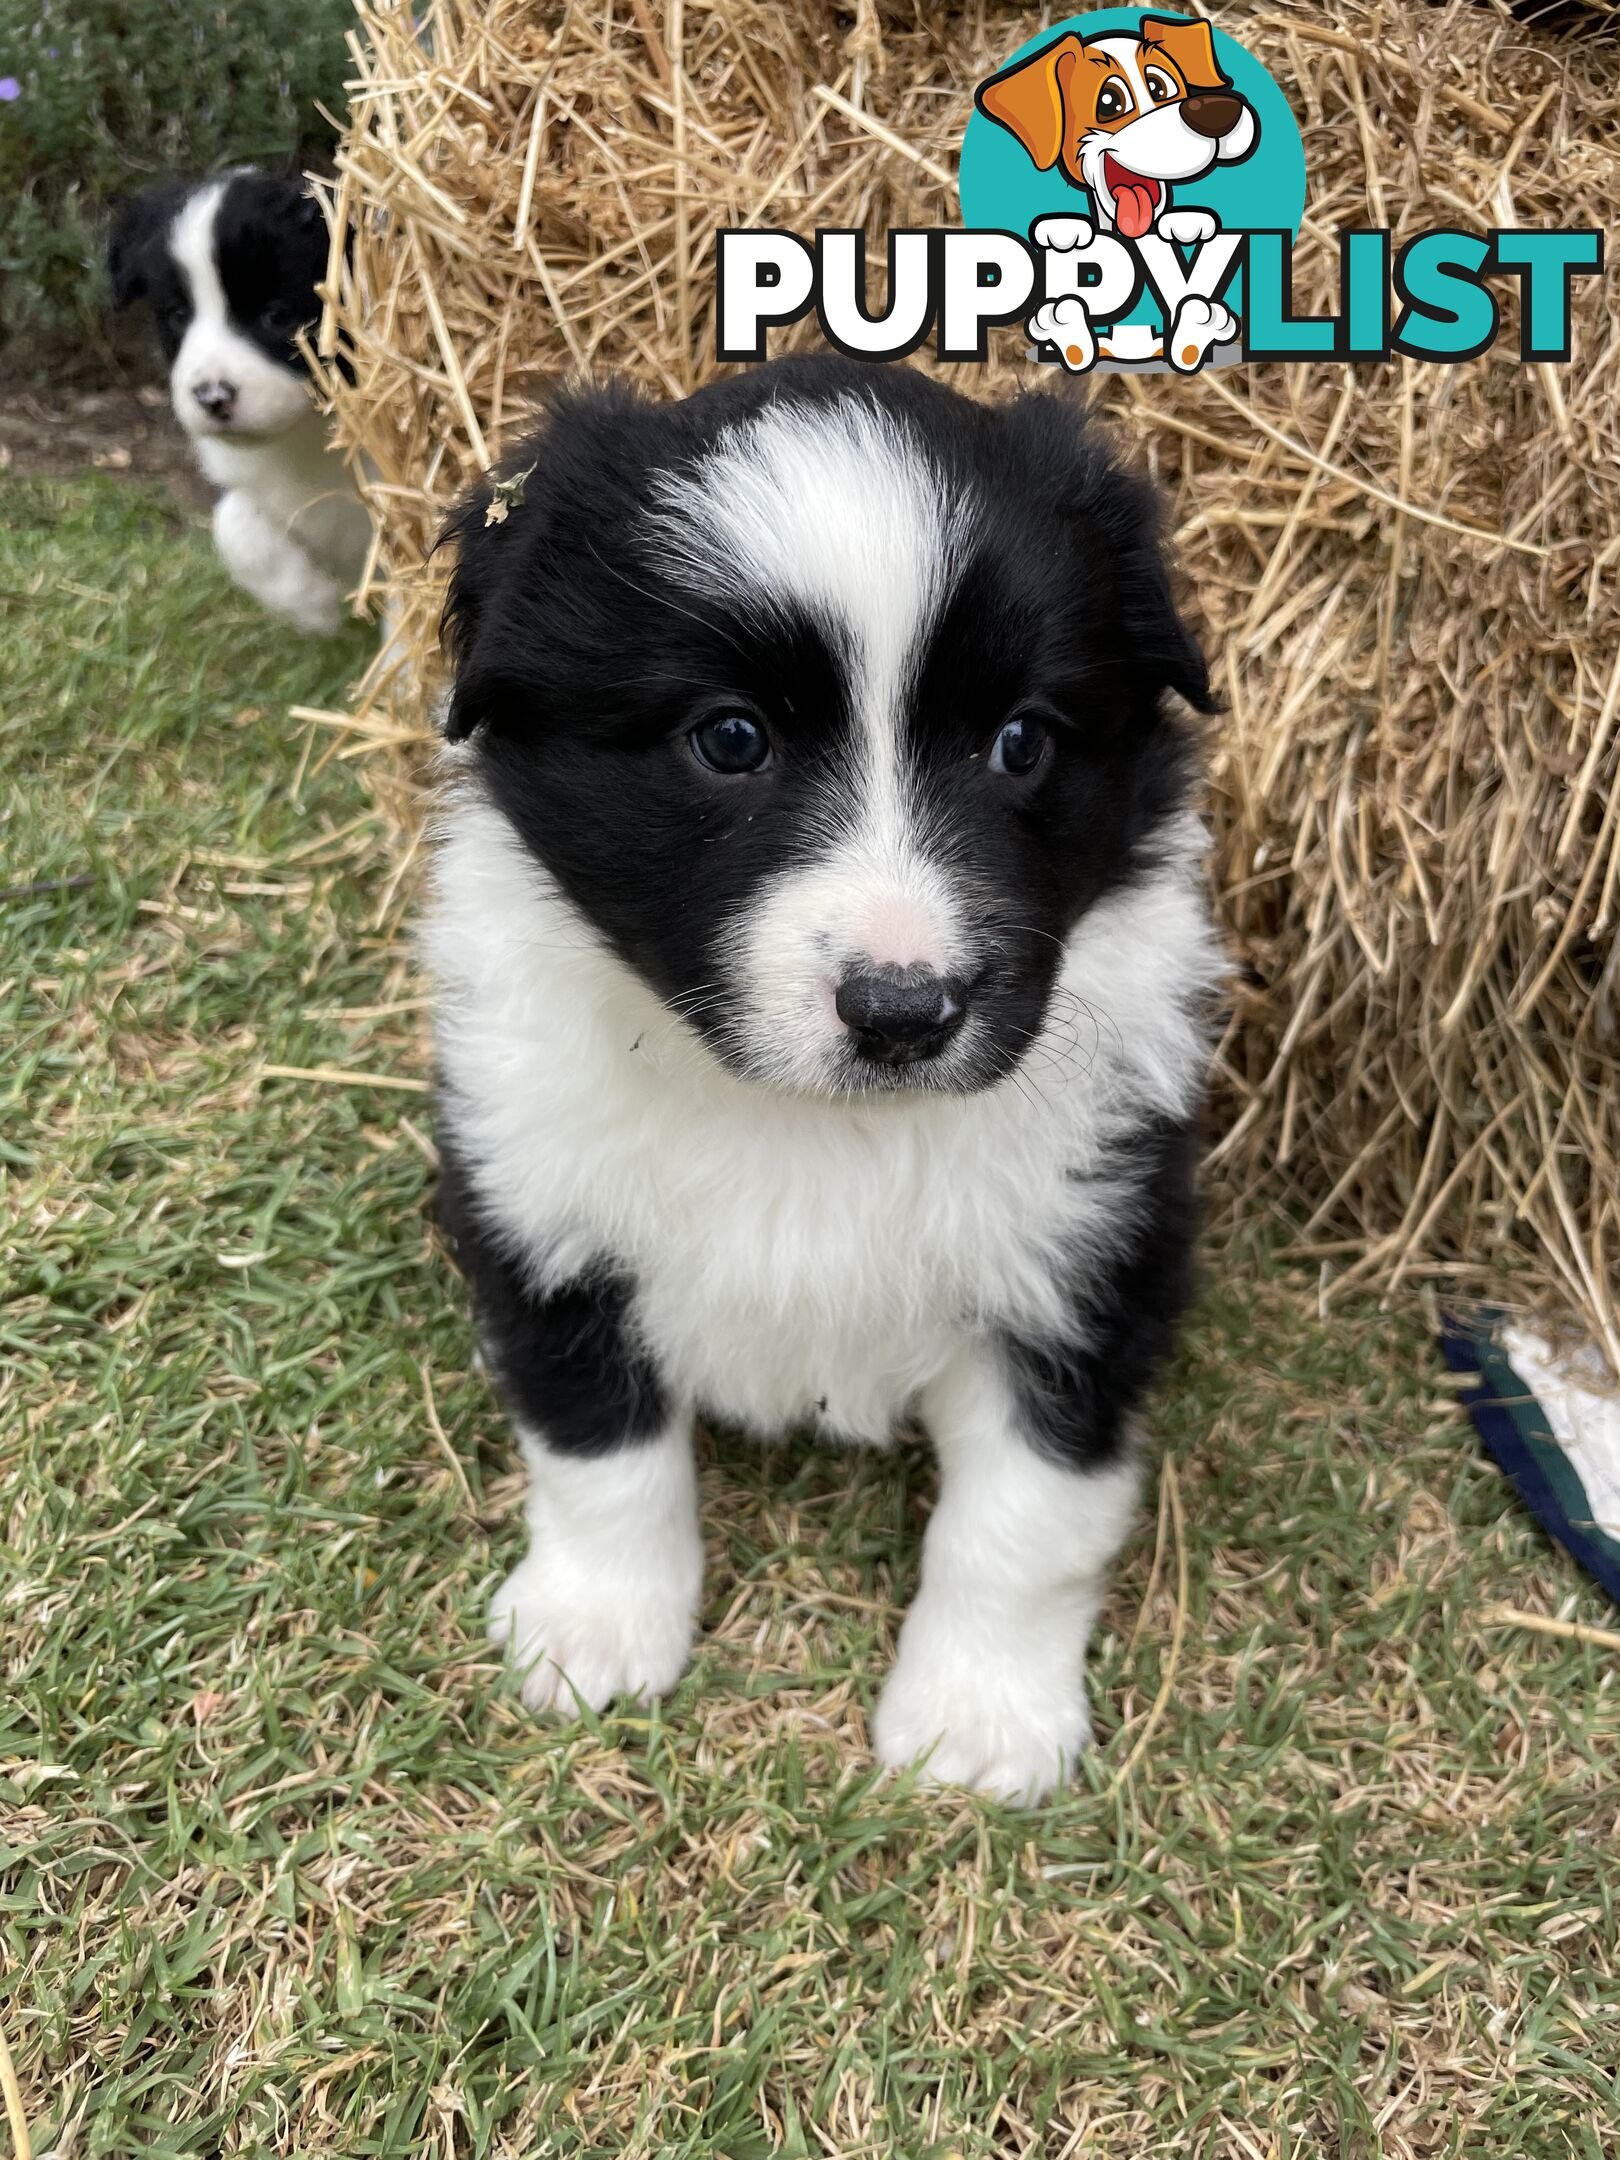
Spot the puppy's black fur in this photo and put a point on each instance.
(570, 1357)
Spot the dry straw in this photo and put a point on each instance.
(1408, 575)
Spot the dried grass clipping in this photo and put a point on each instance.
(1408, 574)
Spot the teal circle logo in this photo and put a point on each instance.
(1113, 137)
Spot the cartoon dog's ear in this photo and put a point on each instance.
(1190, 45)
(1027, 99)
(138, 225)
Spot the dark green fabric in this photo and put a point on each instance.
(1516, 1433)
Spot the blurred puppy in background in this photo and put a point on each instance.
(228, 268)
(824, 978)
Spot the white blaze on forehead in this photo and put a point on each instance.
(832, 512)
(191, 243)
(829, 510)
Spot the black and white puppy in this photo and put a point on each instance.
(229, 269)
(824, 972)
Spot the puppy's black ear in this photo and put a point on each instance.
(1130, 509)
(518, 535)
(485, 529)
(138, 227)
(1117, 519)
(1165, 648)
(1163, 653)
(464, 530)
(300, 210)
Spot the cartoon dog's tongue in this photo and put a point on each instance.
(1135, 199)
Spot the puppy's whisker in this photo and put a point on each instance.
(666, 599)
(1097, 1016)
(686, 1009)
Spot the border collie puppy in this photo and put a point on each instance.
(824, 981)
(229, 269)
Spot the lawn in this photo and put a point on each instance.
(288, 1871)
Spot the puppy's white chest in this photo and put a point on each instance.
(793, 1261)
(812, 1276)
(301, 490)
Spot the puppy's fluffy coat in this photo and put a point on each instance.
(228, 268)
(823, 974)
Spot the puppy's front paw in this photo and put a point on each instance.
(591, 1642)
(981, 1716)
(321, 617)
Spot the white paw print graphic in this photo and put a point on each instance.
(1187, 228)
(1065, 324)
(1199, 324)
(1063, 233)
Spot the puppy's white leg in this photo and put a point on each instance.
(989, 1681)
(266, 562)
(606, 1600)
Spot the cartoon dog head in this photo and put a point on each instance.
(1125, 116)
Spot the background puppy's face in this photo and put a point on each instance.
(832, 702)
(229, 270)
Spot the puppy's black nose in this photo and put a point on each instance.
(217, 399)
(1212, 113)
(899, 1015)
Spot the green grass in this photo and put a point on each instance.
(288, 1871)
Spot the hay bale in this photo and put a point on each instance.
(1408, 573)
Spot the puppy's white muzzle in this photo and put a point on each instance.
(851, 971)
(221, 385)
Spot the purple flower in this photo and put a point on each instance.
(10, 89)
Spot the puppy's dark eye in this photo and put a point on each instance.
(1020, 746)
(1112, 99)
(731, 742)
(282, 318)
(1160, 88)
